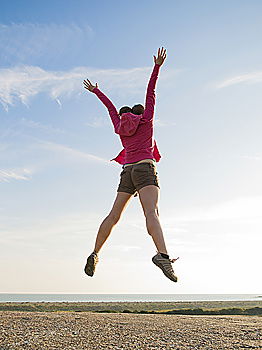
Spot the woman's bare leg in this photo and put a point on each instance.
(148, 196)
(109, 222)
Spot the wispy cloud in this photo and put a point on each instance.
(70, 152)
(97, 122)
(3, 147)
(256, 157)
(29, 42)
(22, 231)
(241, 208)
(161, 123)
(125, 248)
(37, 125)
(20, 83)
(6, 175)
(249, 78)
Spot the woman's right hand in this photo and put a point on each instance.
(89, 86)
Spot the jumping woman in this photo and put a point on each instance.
(139, 175)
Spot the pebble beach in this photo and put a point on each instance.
(89, 330)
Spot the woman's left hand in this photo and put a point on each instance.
(161, 56)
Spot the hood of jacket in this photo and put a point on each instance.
(128, 124)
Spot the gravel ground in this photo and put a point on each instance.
(86, 330)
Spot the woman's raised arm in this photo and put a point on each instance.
(150, 94)
(105, 100)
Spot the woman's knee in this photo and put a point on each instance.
(152, 213)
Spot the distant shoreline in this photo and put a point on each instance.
(179, 308)
(138, 297)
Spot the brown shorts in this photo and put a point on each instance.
(134, 177)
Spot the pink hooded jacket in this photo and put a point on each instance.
(135, 131)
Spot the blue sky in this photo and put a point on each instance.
(56, 181)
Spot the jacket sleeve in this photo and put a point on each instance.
(110, 107)
(150, 94)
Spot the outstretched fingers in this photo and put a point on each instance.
(161, 56)
(162, 52)
(88, 85)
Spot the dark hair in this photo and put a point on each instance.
(125, 109)
(138, 109)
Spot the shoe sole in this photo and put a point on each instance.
(89, 268)
(164, 272)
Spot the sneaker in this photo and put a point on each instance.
(92, 260)
(165, 265)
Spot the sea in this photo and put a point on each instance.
(5, 297)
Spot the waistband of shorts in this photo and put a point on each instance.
(151, 161)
